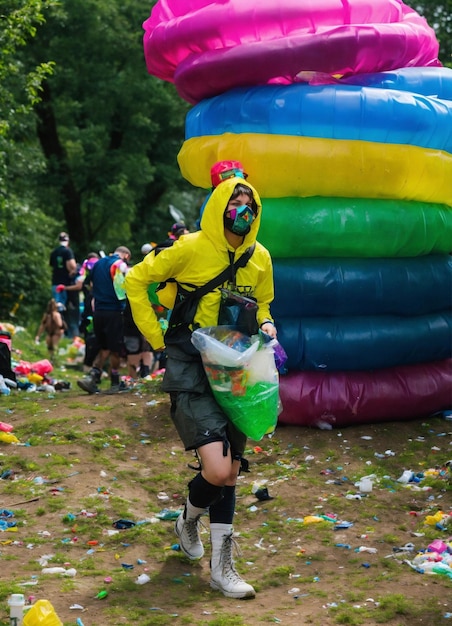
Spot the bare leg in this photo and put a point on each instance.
(218, 469)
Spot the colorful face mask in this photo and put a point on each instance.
(238, 220)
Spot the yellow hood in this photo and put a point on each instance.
(212, 217)
(194, 260)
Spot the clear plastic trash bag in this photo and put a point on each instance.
(243, 377)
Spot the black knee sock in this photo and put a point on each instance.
(222, 512)
(202, 493)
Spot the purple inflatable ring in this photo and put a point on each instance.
(336, 399)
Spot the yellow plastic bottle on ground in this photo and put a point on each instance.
(42, 613)
(8, 437)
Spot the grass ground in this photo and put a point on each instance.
(85, 462)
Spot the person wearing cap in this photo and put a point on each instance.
(176, 232)
(222, 170)
(64, 269)
(219, 172)
(230, 225)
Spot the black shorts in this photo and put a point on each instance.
(136, 344)
(196, 415)
(108, 328)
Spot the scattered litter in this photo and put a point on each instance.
(342, 525)
(143, 579)
(168, 514)
(408, 547)
(71, 572)
(366, 549)
(262, 494)
(123, 523)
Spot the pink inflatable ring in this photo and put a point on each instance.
(208, 47)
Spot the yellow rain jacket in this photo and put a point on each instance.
(196, 258)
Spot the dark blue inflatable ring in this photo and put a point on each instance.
(364, 342)
(325, 287)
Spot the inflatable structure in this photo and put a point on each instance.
(342, 116)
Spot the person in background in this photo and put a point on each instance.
(83, 283)
(109, 301)
(53, 324)
(64, 269)
(139, 355)
(72, 314)
(177, 230)
(230, 224)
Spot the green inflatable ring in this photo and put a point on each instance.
(354, 227)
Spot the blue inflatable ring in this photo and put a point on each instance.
(428, 81)
(328, 111)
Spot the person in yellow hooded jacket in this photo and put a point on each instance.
(229, 227)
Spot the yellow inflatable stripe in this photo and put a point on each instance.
(283, 165)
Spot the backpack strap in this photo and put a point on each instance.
(224, 275)
(183, 313)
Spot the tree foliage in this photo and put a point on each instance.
(88, 140)
(23, 227)
(110, 133)
(439, 15)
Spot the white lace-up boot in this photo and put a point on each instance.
(187, 529)
(223, 576)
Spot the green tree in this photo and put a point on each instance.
(110, 133)
(439, 17)
(23, 228)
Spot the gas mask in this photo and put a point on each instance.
(239, 220)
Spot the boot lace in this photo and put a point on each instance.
(226, 560)
(191, 528)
